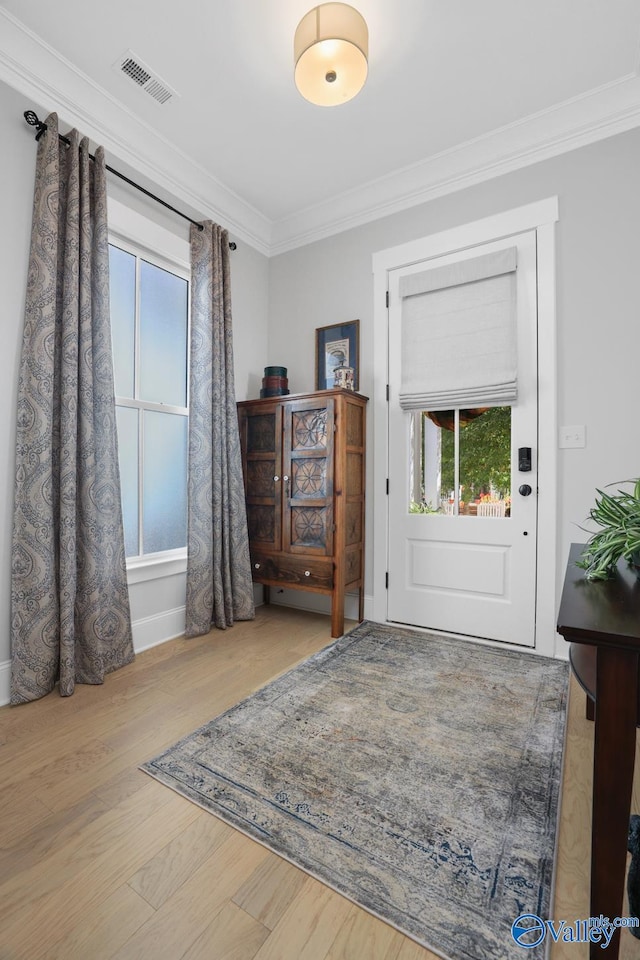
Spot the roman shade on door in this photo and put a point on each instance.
(458, 333)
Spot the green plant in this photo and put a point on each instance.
(421, 507)
(484, 453)
(618, 516)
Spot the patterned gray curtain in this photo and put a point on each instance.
(70, 619)
(219, 585)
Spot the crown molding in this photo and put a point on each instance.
(600, 113)
(35, 69)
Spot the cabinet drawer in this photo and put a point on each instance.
(279, 568)
(260, 566)
(302, 571)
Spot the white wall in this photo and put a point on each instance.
(598, 302)
(16, 198)
(157, 605)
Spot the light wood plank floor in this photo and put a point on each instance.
(100, 862)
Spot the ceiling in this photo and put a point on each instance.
(457, 90)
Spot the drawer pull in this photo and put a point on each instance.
(307, 573)
(257, 566)
(276, 478)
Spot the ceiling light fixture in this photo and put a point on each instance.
(331, 46)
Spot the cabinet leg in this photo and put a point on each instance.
(591, 709)
(614, 755)
(337, 612)
(266, 595)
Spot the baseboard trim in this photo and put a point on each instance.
(5, 682)
(152, 631)
(147, 632)
(318, 603)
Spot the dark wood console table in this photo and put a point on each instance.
(601, 621)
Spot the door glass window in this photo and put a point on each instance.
(461, 462)
(432, 468)
(485, 462)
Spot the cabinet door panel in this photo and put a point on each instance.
(261, 437)
(308, 480)
(261, 525)
(308, 466)
(308, 527)
(308, 426)
(261, 432)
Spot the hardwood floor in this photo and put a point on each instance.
(100, 862)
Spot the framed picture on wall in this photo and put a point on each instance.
(337, 346)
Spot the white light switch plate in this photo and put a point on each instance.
(572, 437)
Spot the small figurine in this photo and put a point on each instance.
(343, 376)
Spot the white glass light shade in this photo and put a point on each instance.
(331, 46)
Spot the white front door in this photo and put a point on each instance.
(462, 524)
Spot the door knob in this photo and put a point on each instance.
(524, 490)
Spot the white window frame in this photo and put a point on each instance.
(142, 237)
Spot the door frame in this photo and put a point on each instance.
(540, 216)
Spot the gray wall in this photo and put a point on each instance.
(16, 198)
(598, 304)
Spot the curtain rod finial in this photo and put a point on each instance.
(33, 121)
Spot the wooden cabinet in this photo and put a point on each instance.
(601, 621)
(303, 459)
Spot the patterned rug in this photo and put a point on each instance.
(415, 774)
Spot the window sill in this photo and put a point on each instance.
(155, 566)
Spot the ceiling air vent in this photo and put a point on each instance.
(138, 71)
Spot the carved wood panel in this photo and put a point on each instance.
(308, 526)
(309, 477)
(309, 429)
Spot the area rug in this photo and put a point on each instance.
(417, 775)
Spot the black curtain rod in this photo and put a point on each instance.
(41, 127)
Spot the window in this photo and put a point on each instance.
(150, 331)
(468, 450)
